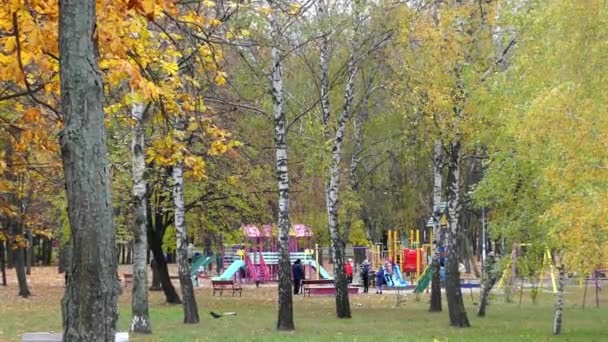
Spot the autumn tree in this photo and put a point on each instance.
(551, 129)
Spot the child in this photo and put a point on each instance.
(379, 280)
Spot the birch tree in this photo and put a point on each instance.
(140, 321)
(285, 313)
(185, 281)
(435, 305)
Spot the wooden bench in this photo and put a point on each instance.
(316, 284)
(221, 285)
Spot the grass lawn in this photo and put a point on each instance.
(375, 317)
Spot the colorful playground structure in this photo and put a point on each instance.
(407, 261)
(257, 259)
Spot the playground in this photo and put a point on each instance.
(373, 316)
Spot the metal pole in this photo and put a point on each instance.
(317, 259)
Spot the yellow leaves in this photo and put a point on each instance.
(220, 78)
(10, 43)
(232, 180)
(217, 147)
(215, 22)
(170, 68)
(209, 3)
(46, 233)
(192, 126)
(31, 115)
(294, 8)
(166, 151)
(195, 167)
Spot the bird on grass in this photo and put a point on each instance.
(216, 315)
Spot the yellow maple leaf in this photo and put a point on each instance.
(220, 78)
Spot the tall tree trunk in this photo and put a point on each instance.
(559, 298)
(29, 252)
(15, 225)
(489, 279)
(89, 304)
(9, 255)
(324, 65)
(160, 263)
(285, 314)
(185, 281)
(437, 234)
(3, 263)
(458, 315)
(140, 319)
(338, 240)
(156, 285)
(157, 225)
(19, 260)
(358, 120)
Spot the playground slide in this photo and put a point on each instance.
(397, 278)
(200, 262)
(424, 281)
(231, 270)
(322, 272)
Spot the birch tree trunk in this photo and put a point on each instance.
(437, 234)
(458, 315)
(285, 314)
(358, 121)
(185, 281)
(489, 279)
(324, 66)
(338, 241)
(559, 298)
(89, 305)
(140, 319)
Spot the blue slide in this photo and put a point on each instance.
(322, 272)
(231, 270)
(397, 278)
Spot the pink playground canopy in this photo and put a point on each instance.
(267, 230)
(297, 230)
(251, 231)
(301, 230)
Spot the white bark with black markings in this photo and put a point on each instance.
(140, 318)
(559, 299)
(185, 281)
(457, 312)
(285, 314)
(435, 305)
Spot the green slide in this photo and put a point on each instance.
(199, 262)
(424, 280)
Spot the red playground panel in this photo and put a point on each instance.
(409, 256)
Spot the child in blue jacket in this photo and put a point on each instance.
(379, 280)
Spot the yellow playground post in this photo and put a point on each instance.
(389, 244)
(395, 246)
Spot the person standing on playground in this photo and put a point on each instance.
(365, 275)
(298, 275)
(190, 252)
(379, 280)
(348, 268)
